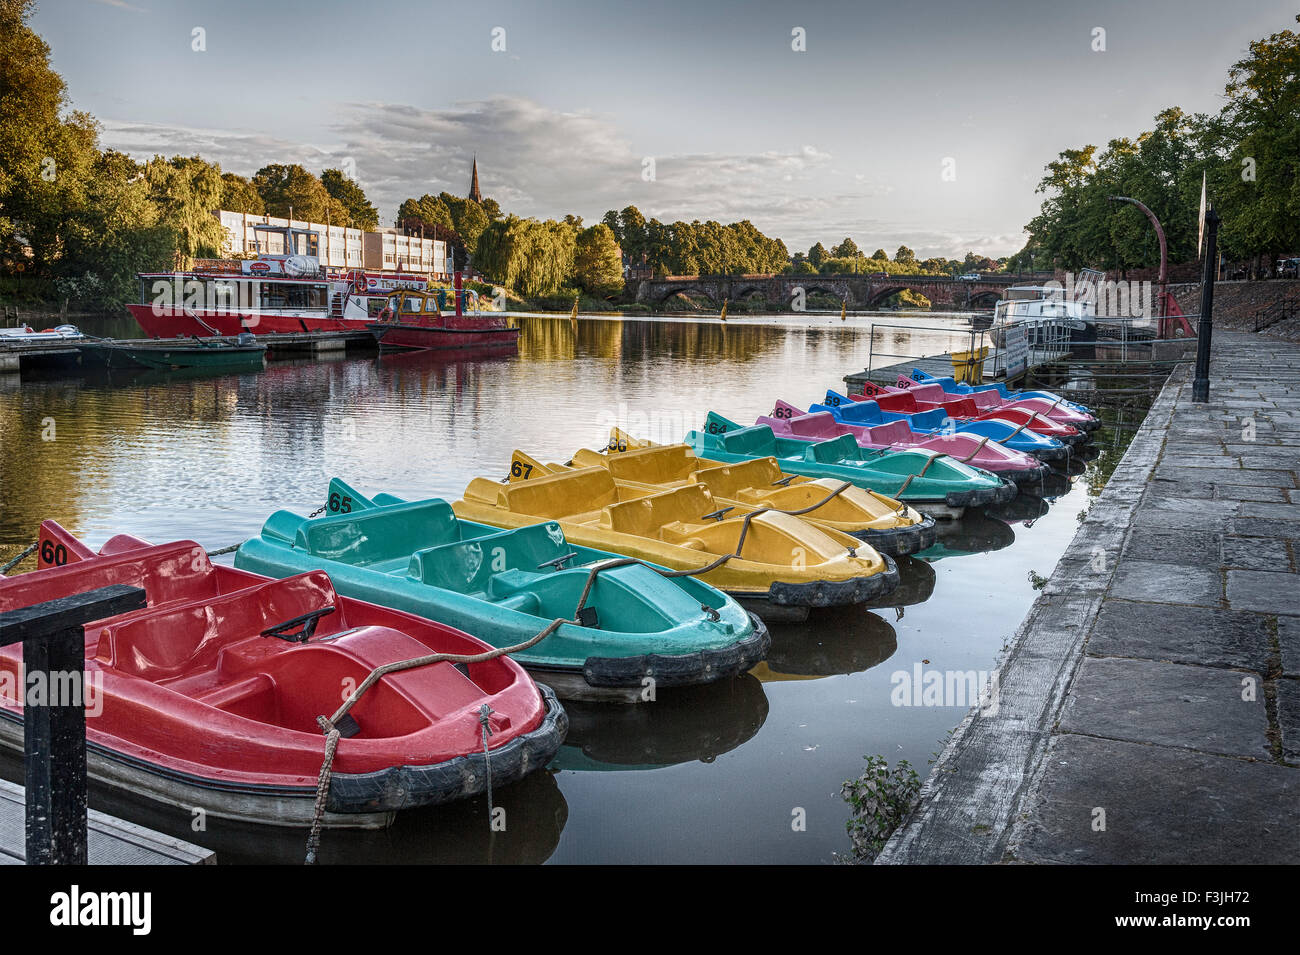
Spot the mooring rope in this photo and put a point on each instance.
(484, 712)
(27, 552)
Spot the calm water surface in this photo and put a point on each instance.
(713, 775)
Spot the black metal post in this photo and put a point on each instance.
(54, 717)
(1205, 327)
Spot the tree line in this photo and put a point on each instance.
(1248, 154)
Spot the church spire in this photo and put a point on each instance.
(473, 186)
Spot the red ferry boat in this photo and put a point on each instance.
(209, 696)
(278, 294)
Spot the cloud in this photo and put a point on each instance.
(538, 161)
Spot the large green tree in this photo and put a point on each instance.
(598, 262)
(286, 187)
(362, 214)
(238, 194)
(117, 232)
(46, 151)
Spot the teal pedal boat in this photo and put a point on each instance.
(638, 632)
(940, 485)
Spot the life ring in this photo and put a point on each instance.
(386, 314)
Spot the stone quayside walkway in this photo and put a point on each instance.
(1157, 678)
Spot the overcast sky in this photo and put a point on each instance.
(848, 137)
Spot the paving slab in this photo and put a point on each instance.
(1256, 553)
(1162, 806)
(1263, 590)
(1241, 492)
(1160, 582)
(1170, 704)
(1217, 638)
(1266, 477)
(1288, 638)
(1172, 545)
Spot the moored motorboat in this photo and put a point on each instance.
(414, 320)
(627, 626)
(208, 698)
(243, 353)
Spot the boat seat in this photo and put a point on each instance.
(227, 695)
(822, 424)
(522, 602)
(481, 564)
(891, 432)
(663, 465)
(843, 448)
(367, 538)
(727, 480)
(753, 441)
(561, 494)
(859, 412)
(648, 516)
(175, 642)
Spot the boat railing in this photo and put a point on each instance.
(973, 339)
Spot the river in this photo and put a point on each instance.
(723, 774)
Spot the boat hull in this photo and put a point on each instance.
(167, 322)
(356, 801)
(425, 338)
(147, 355)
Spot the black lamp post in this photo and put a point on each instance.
(1205, 329)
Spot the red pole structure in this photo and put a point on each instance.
(457, 285)
(1164, 260)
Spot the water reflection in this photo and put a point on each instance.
(974, 533)
(456, 833)
(915, 584)
(1022, 509)
(843, 640)
(693, 723)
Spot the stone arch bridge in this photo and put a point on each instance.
(858, 291)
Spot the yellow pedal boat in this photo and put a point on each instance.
(890, 526)
(783, 561)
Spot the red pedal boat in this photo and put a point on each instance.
(208, 698)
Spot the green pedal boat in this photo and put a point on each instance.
(942, 485)
(637, 632)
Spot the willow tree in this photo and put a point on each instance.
(186, 191)
(531, 257)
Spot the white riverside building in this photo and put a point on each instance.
(388, 250)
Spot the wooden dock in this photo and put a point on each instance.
(16, 355)
(111, 841)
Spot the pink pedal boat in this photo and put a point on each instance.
(792, 422)
(991, 401)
